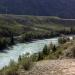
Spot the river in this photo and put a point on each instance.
(19, 49)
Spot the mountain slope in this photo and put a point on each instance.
(62, 8)
(52, 67)
(21, 23)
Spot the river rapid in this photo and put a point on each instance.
(22, 48)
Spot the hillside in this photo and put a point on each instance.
(60, 66)
(52, 60)
(35, 23)
(19, 24)
(22, 28)
(52, 67)
(61, 8)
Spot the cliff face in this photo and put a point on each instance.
(62, 8)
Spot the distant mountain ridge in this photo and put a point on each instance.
(61, 8)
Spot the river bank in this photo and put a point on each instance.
(27, 63)
(13, 52)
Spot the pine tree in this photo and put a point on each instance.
(40, 56)
(12, 39)
(45, 50)
(54, 48)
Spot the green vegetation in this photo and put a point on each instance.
(25, 62)
(21, 28)
(10, 70)
(63, 40)
(45, 50)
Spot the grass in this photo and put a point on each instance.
(10, 70)
(17, 23)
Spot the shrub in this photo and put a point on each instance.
(54, 48)
(70, 53)
(40, 56)
(26, 62)
(62, 40)
(34, 57)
